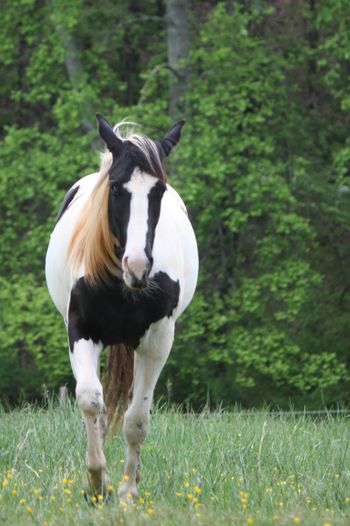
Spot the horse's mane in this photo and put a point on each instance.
(93, 245)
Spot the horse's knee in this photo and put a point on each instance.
(135, 427)
(89, 399)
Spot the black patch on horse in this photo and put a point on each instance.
(112, 314)
(68, 198)
(119, 212)
(154, 203)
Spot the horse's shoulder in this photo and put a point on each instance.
(174, 196)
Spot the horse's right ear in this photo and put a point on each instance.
(106, 132)
(172, 138)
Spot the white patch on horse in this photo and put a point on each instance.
(135, 260)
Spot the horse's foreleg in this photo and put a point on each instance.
(150, 361)
(85, 363)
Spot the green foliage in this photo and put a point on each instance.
(262, 167)
(258, 275)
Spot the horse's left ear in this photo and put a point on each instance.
(171, 139)
(113, 143)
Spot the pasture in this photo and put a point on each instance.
(222, 469)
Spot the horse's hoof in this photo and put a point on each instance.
(127, 495)
(94, 498)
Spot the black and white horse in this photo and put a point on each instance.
(121, 267)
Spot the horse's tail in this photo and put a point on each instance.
(118, 381)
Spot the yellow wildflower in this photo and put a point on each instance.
(14, 492)
(189, 496)
(187, 484)
(250, 520)
(23, 501)
(36, 491)
(122, 504)
(9, 475)
(141, 500)
(29, 509)
(197, 490)
(150, 511)
(67, 491)
(268, 490)
(100, 498)
(347, 500)
(5, 483)
(296, 520)
(99, 506)
(178, 494)
(110, 488)
(126, 477)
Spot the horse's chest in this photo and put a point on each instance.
(114, 315)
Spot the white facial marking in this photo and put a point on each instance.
(135, 259)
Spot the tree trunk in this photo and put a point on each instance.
(178, 49)
(75, 73)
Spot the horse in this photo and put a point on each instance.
(121, 267)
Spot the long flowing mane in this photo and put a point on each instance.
(93, 245)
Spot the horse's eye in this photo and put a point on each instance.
(115, 188)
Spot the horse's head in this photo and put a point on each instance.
(137, 183)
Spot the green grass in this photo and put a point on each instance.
(260, 469)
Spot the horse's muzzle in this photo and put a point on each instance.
(136, 272)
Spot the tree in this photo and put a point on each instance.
(178, 49)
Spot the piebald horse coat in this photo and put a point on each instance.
(121, 267)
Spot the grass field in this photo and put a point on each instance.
(211, 469)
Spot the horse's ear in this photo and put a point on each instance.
(106, 132)
(172, 138)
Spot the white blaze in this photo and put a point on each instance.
(135, 259)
